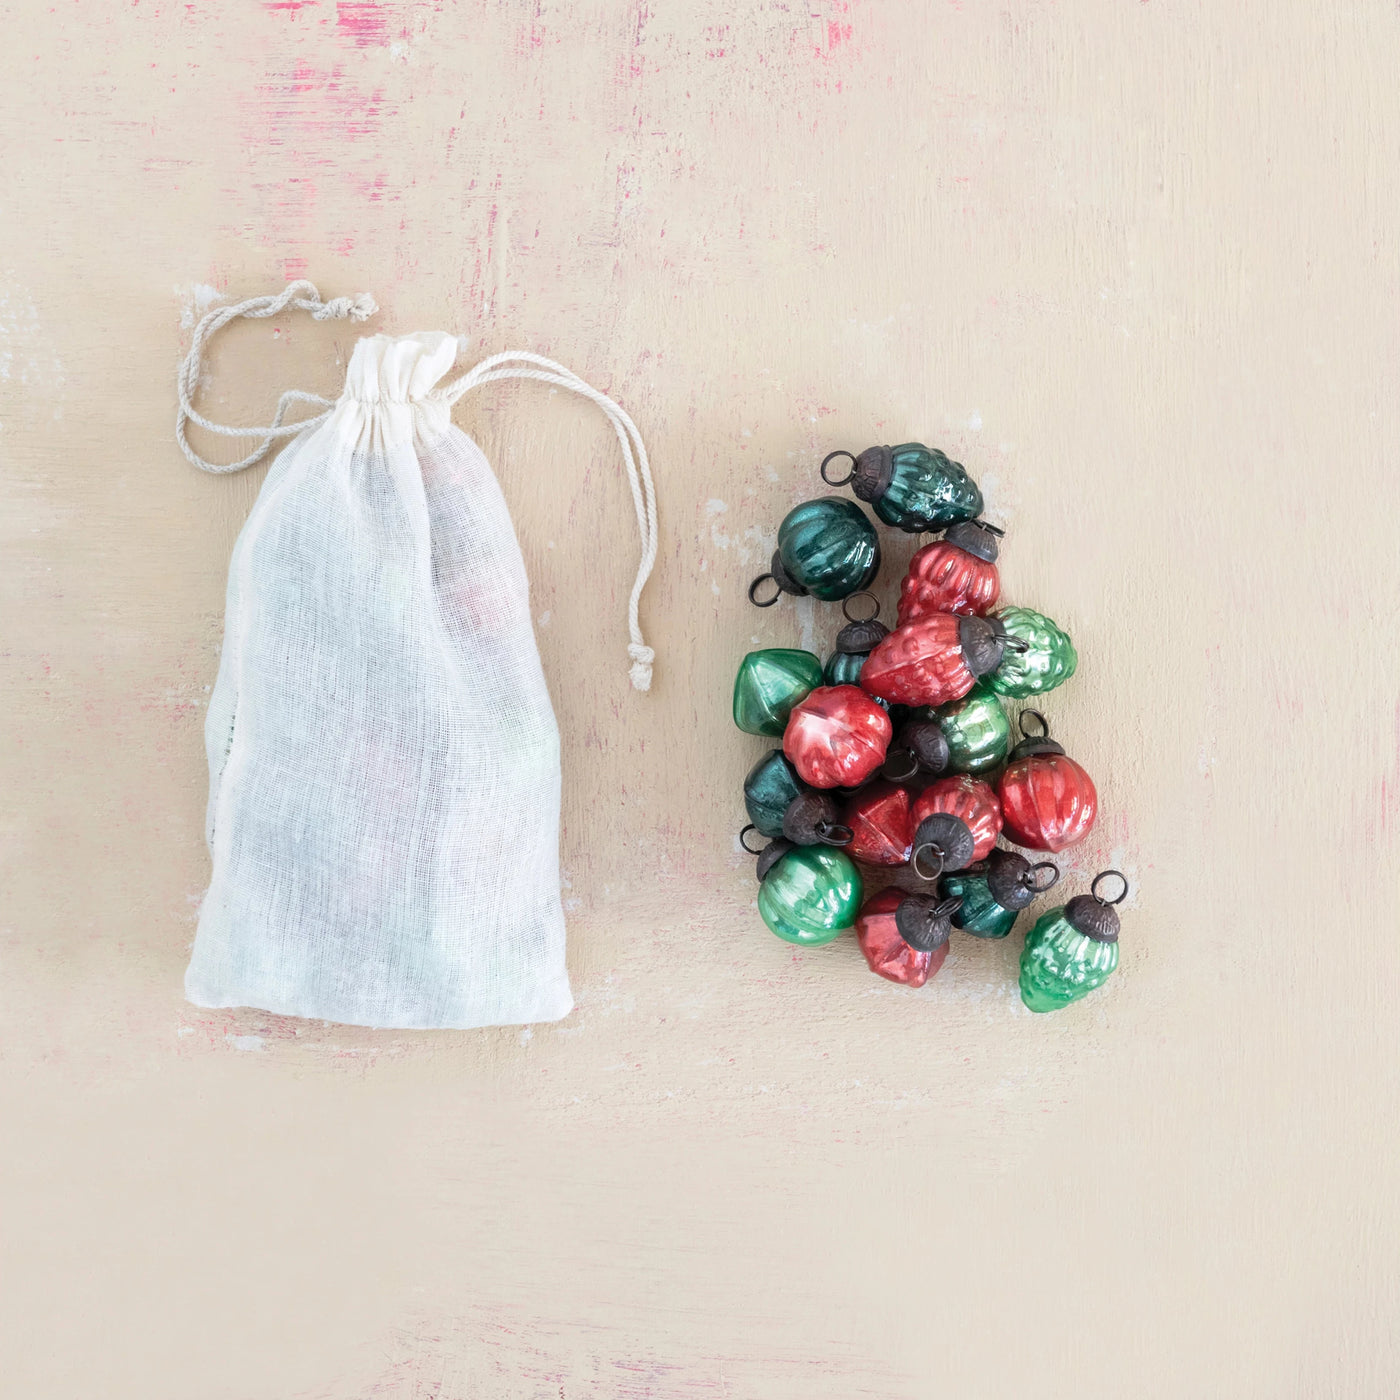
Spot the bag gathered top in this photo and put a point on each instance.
(384, 774)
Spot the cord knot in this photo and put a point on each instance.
(357, 308)
(642, 657)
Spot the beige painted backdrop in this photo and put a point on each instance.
(1135, 264)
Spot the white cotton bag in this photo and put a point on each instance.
(383, 758)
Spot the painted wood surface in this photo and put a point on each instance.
(1136, 266)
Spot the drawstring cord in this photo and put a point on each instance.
(521, 364)
(304, 296)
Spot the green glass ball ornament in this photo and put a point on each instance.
(809, 894)
(911, 487)
(827, 547)
(769, 684)
(854, 642)
(1071, 950)
(1046, 659)
(769, 791)
(995, 894)
(977, 730)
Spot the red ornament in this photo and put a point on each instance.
(1048, 800)
(933, 661)
(957, 574)
(837, 737)
(882, 824)
(884, 946)
(961, 817)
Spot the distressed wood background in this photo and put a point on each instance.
(1135, 264)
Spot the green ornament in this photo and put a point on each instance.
(1070, 951)
(769, 790)
(843, 668)
(826, 547)
(1049, 659)
(977, 730)
(854, 643)
(769, 684)
(810, 895)
(980, 914)
(995, 893)
(912, 487)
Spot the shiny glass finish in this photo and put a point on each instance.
(1059, 964)
(944, 578)
(886, 952)
(1049, 801)
(977, 730)
(769, 684)
(768, 790)
(837, 737)
(829, 547)
(881, 818)
(927, 490)
(844, 667)
(1049, 661)
(920, 664)
(811, 895)
(970, 800)
(980, 914)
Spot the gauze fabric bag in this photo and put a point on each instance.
(383, 758)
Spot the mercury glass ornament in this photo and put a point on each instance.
(769, 684)
(854, 642)
(935, 660)
(1044, 657)
(911, 487)
(826, 547)
(977, 730)
(769, 791)
(957, 574)
(809, 894)
(1071, 950)
(992, 897)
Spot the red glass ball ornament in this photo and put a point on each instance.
(884, 947)
(881, 820)
(837, 737)
(1048, 800)
(957, 574)
(933, 661)
(967, 801)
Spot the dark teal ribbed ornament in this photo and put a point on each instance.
(827, 548)
(769, 790)
(911, 487)
(993, 895)
(854, 642)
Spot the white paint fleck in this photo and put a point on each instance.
(246, 1042)
(526, 1035)
(195, 299)
(974, 422)
(545, 617)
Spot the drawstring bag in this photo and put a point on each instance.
(383, 758)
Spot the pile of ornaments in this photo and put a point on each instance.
(897, 753)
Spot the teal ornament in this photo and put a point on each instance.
(912, 487)
(995, 894)
(1071, 950)
(826, 547)
(769, 684)
(769, 791)
(854, 642)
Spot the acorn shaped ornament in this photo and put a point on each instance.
(935, 660)
(1047, 800)
(956, 822)
(880, 818)
(854, 642)
(957, 574)
(1038, 655)
(769, 684)
(807, 895)
(977, 730)
(911, 487)
(904, 937)
(826, 547)
(836, 737)
(1071, 950)
(993, 895)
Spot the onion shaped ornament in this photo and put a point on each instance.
(807, 895)
(1072, 950)
(957, 574)
(911, 487)
(836, 737)
(769, 684)
(993, 895)
(888, 951)
(935, 660)
(826, 547)
(956, 822)
(1038, 657)
(1048, 801)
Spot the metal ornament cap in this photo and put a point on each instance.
(810, 820)
(857, 638)
(1009, 879)
(924, 738)
(1094, 920)
(782, 578)
(948, 835)
(924, 921)
(982, 640)
(874, 470)
(976, 538)
(770, 855)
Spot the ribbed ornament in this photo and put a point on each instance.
(1049, 659)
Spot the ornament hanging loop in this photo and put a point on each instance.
(1036, 715)
(757, 583)
(835, 834)
(1103, 875)
(831, 457)
(918, 870)
(744, 843)
(900, 766)
(1037, 885)
(846, 606)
